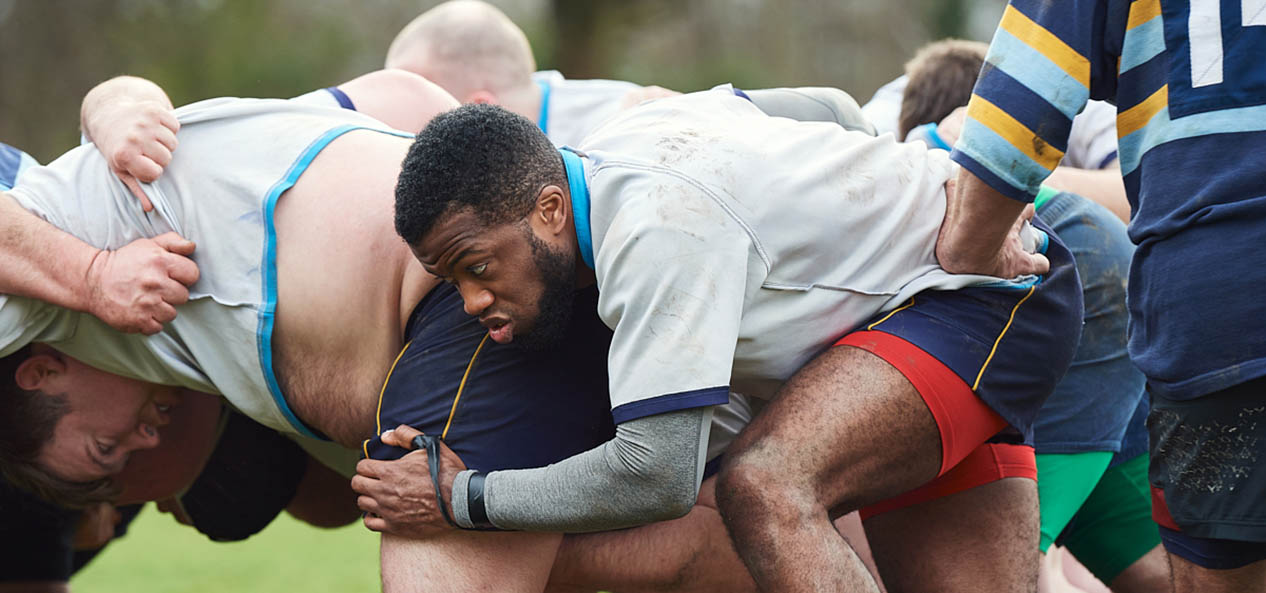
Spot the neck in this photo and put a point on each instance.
(525, 101)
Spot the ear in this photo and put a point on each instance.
(35, 373)
(482, 97)
(552, 214)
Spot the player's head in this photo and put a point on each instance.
(941, 75)
(471, 49)
(67, 427)
(481, 201)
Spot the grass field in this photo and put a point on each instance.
(159, 554)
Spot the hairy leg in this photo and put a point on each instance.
(461, 561)
(982, 539)
(847, 430)
(1193, 578)
(692, 553)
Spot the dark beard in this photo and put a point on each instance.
(553, 309)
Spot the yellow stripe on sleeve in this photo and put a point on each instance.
(1014, 132)
(462, 386)
(1133, 119)
(1047, 44)
(1142, 11)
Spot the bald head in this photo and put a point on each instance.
(466, 47)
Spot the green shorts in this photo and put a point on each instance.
(1101, 512)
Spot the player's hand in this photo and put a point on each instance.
(398, 496)
(96, 526)
(646, 93)
(137, 288)
(137, 139)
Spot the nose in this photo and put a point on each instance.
(476, 300)
(144, 437)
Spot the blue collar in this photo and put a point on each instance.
(579, 203)
(543, 120)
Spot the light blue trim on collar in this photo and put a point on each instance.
(579, 203)
(264, 332)
(543, 120)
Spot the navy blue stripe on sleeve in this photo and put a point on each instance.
(708, 396)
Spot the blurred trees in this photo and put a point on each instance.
(55, 50)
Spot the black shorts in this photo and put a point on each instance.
(1208, 470)
(251, 476)
(498, 406)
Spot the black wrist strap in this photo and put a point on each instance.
(475, 502)
(432, 447)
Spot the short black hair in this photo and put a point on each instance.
(478, 157)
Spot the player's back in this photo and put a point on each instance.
(838, 225)
(322, 256)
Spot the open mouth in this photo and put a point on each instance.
(499, 330)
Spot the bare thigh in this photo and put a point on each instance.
(461, 561)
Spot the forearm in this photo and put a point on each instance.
(977, 221)
(40, 261)
(649, 472)
(1101, 185)
(121, 90)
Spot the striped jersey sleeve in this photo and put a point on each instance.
(1044, 61)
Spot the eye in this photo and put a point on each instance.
(477, 269)
(105, 449)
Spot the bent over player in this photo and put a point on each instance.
(681, 212)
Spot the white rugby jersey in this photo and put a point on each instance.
(1092, 143)
(731, 247)
(570, 109)
(236, 157)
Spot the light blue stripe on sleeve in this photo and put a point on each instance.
(1161, 129)
(986, 146)
(1142, 43)
(1034, 70)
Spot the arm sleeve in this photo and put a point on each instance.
(823, 104)
(649, 472)
(1044, 60)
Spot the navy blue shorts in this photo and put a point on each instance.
(1009, 344)
(498, 406)
(1093, 405)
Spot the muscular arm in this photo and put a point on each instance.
(40, 261)
(649, 472)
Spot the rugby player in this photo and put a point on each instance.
(489, 428)
(1189, 91)
(1090, 439)
(730, 249)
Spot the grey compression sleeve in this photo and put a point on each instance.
(649, 472)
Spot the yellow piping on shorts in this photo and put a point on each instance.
(462, 385)
(891, 313)
(999, 340)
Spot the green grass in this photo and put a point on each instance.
(159, 554)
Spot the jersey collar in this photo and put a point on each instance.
(579, 189)
(543, 119)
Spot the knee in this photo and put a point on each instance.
(749, 486)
